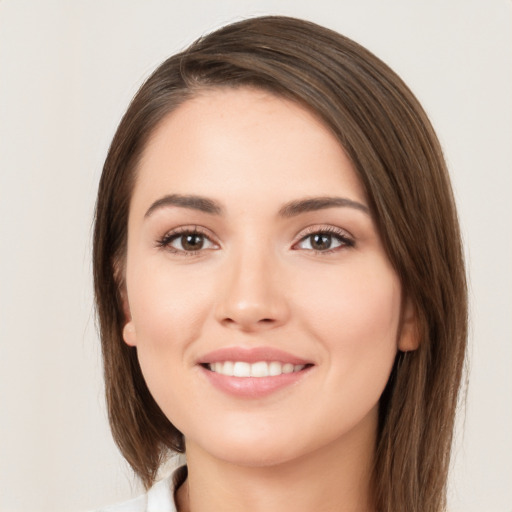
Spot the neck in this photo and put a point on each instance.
(335, 477)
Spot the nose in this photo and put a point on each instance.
(252, 294)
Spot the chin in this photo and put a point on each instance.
(254, 457)
(253, 449)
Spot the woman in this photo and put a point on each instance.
(279, 279)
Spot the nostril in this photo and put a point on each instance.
(246, 323)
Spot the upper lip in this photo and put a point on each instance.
(251, 355)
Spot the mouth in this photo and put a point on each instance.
(253, 372)
(258, 369)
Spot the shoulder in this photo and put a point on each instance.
(158, 499)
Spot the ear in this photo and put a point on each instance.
(408, 336)
(129, 334)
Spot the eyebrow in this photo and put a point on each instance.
(202, 204)
(291, 209)
(294, 208)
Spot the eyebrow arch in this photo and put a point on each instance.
(202, 204)
(294, 208)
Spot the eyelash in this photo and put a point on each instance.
(345, 240)
(343, 237)
(168, 238)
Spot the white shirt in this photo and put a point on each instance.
(160, 498)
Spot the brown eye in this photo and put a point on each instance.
(186, 242)
(320, 241)
(191, 241)
(324, 241)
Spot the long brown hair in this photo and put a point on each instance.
(397, 156)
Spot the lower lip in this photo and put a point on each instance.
(254, 387)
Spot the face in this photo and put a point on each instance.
(264, 310)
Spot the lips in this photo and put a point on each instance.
(254, 372)
(258, 369)
(251, 355)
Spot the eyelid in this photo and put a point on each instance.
(343, 234)
(322, 228)
(164, 241)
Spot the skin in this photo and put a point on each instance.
(257, 282)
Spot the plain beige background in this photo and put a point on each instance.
(68, 69)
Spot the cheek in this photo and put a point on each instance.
(355, 319)
(355, 313)
(169, 310)
(168, 306)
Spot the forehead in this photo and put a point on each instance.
(246, 142)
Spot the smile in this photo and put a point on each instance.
(253, 372)
(257, 369)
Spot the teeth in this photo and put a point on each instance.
(227, 367)
(288, 368)
(242, 369)
(259, 369)
(275, 368)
